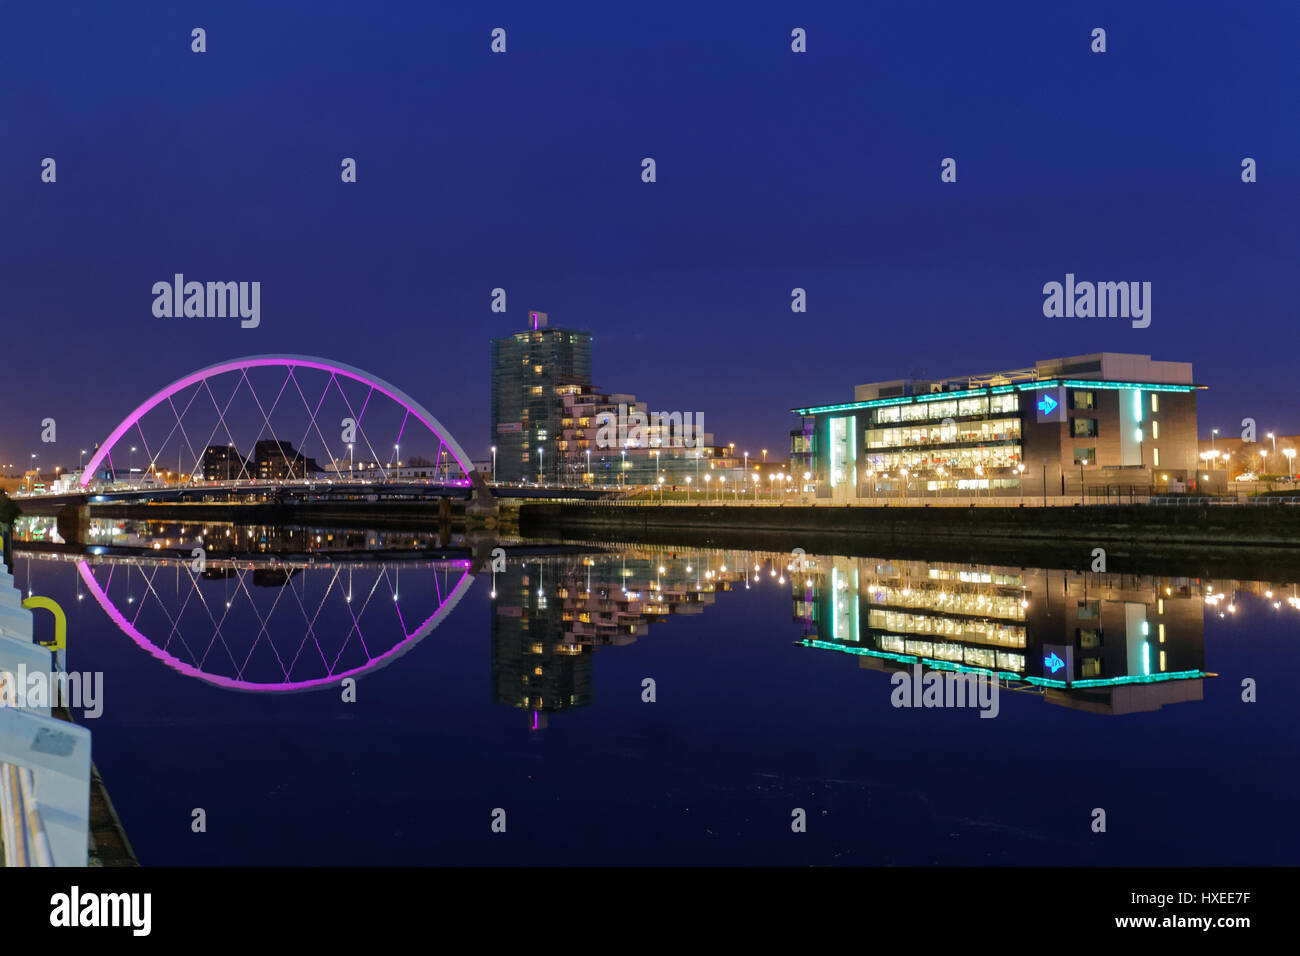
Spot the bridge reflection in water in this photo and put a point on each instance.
(287, 609)
(265, 609)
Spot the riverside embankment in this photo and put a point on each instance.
(1263, 538)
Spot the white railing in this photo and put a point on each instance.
(25, 840)
(44, 762)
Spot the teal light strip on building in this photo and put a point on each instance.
(996, 390)
(1147, 386)
(937, 665)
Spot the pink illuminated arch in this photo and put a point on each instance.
(407, 640)
(413, 407)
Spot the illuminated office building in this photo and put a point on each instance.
(1108, 643)
(1107, 420)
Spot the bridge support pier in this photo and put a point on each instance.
(73, 523)
(483, 505)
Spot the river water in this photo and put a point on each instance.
(358, 697)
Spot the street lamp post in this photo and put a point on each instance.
(707, 479)
(1290, 459)
(660, 479)
(590, 477)
(1082, 462)
(541, 463)
(1273, 437)
(688, 487)
(494, 463)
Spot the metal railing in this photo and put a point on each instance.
(1196, 501)
(21, 823)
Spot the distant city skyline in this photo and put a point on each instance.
(775, 171)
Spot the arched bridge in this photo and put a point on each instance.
(277, 419)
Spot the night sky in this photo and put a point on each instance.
(523, 171)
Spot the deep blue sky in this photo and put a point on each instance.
(522, 170)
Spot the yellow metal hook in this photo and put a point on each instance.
(60, 621)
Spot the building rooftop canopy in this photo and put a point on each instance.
(1098, 368)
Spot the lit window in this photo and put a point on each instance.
(1155, 427)
(1155, 404)
(1155, 454)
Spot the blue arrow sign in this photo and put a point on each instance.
(1053, 663)
(1047, 404)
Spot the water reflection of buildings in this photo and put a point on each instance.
(551, 614)
(1110, 643)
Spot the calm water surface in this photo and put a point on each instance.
(523, 690)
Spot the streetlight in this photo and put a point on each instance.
(1213, 432)
(81, 464)
(130, 465)
(765, 456)
(1290, 459)
(590, 477)
(541, 458)
(707, 479)
(1272, 436)
(1263, 463)
(755, 477)
(494, 462)
(688, 487)
(1082, 462)
(722, 488)
(661, 489)
(1021, 468)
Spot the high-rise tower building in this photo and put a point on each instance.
(531, 372)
